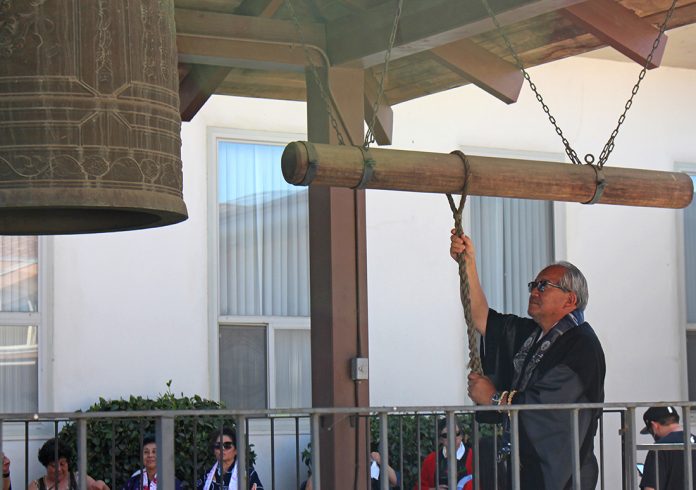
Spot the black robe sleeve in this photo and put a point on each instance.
(505, 334)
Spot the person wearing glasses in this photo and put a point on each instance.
(434, 469)
(554, 357)
(223, 475)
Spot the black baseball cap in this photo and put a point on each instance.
(655, 414)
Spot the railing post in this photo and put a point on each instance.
(316, 464)
(515, 448)
(451, 451)
(165, 452)
(383, 451)
(630, 447)
(601, 451)
(477, 484)
(82, 454)
(575, 438)
(2, 457)
(689, 476)
(242, 473)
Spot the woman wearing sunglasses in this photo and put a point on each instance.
(224, 475)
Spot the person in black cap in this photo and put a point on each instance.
(663, 424)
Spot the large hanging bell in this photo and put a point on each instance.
(89, 116)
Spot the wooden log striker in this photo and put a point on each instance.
(343, 166)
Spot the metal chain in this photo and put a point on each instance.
(330, 106)
(370, 134)
(609, 146)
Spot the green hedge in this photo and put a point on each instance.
(113, 445)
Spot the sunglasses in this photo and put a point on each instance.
(541, 286)
(226, 445)
(443, 435)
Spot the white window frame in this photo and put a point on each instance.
(689, 169)
(272, 323)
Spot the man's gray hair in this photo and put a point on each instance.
(575, 281)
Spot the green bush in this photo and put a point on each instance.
(113, 445)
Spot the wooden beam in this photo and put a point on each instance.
(422, 26)
(496, 76)
(197, 87)
(259, 8)
(342, 166)
(338, 288)
(384, 119)
(246, 42)
(620, 28)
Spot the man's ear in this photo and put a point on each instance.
(572, 301)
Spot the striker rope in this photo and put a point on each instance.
(464, 293)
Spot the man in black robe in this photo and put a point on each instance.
(554, 357)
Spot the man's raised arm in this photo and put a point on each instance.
(479, 304)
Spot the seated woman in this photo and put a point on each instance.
(147, 475)
(58, 475)
(224, 449)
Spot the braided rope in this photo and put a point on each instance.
(464, 293)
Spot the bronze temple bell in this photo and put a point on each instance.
(89, 116)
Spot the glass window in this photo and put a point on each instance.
(263, 278)
(514, 241)
(18, 369)
(293, 368)
(19, 285)
(243, 366)
(264, 238)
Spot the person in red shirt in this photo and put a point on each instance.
(439, 461)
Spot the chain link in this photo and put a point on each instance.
(609, 146)
(330, 109)
(370, 134)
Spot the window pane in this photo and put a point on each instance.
(691, 363)
(690, 258)
(264, 241)
(18, 369)
(243, 366)
(514, 240)
(293, 369)
(18, 273)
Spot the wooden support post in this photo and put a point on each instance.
(338, 287)
(343, 166)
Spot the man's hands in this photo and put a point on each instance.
(5, 465)
(481, 389)
(462, 244)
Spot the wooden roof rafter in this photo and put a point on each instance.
(456, 45)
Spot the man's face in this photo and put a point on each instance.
(547, 307)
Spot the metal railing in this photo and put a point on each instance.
(396, 443)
